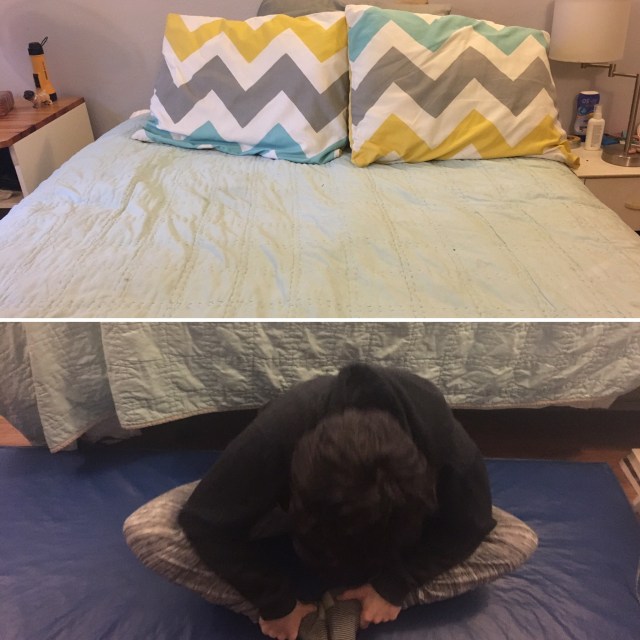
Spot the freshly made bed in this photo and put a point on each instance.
(364, 162)
(127, 229)
(67, 573)
(63, 381)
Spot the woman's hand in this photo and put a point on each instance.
(375, 608)
(286, 628)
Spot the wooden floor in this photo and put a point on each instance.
(552, 434)
(9, 437)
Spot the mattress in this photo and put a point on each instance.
(129, 230)
(63, 381)
(67, 574)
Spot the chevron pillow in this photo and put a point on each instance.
(274, 86)
(426, 87)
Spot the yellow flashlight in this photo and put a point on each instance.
(40, 75)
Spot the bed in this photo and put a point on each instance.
(186, 226)
(67, 573)
(63, 381)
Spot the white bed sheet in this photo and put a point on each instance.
(59, 381)
(128, 230)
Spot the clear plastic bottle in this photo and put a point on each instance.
(595, 130)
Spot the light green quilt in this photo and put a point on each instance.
(131, 229)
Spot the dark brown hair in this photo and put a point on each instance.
(360, 490)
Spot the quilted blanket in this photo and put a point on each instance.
(59, 381)
(127, 229)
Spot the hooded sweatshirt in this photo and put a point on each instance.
(251, 478)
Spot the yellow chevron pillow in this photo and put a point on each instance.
(426, 87)
(274, 86)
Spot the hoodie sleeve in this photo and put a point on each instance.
(248, 481)
(241, 488)
(449, 537)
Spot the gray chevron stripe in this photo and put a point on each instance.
(318, 108)
(435, 95)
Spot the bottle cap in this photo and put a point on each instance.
(36, 48)
(598, 111)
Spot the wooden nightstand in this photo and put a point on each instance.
(617, 187)
(40, 140)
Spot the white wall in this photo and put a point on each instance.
(108, 51)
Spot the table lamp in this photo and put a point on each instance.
(593, 32)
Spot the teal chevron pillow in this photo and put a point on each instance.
(275, 86)
(425, 87)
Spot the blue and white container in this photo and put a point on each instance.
(585, 106)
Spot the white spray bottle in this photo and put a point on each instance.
(595, 130)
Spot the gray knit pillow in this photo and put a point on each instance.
(297, 8)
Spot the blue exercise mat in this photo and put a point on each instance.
(67, 574)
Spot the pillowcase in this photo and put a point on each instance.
(426, 87)
(305, 7)
(274, 86)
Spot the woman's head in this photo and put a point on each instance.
(360, 490)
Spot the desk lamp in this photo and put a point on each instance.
(593, 32)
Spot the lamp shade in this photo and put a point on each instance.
(589, 30)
